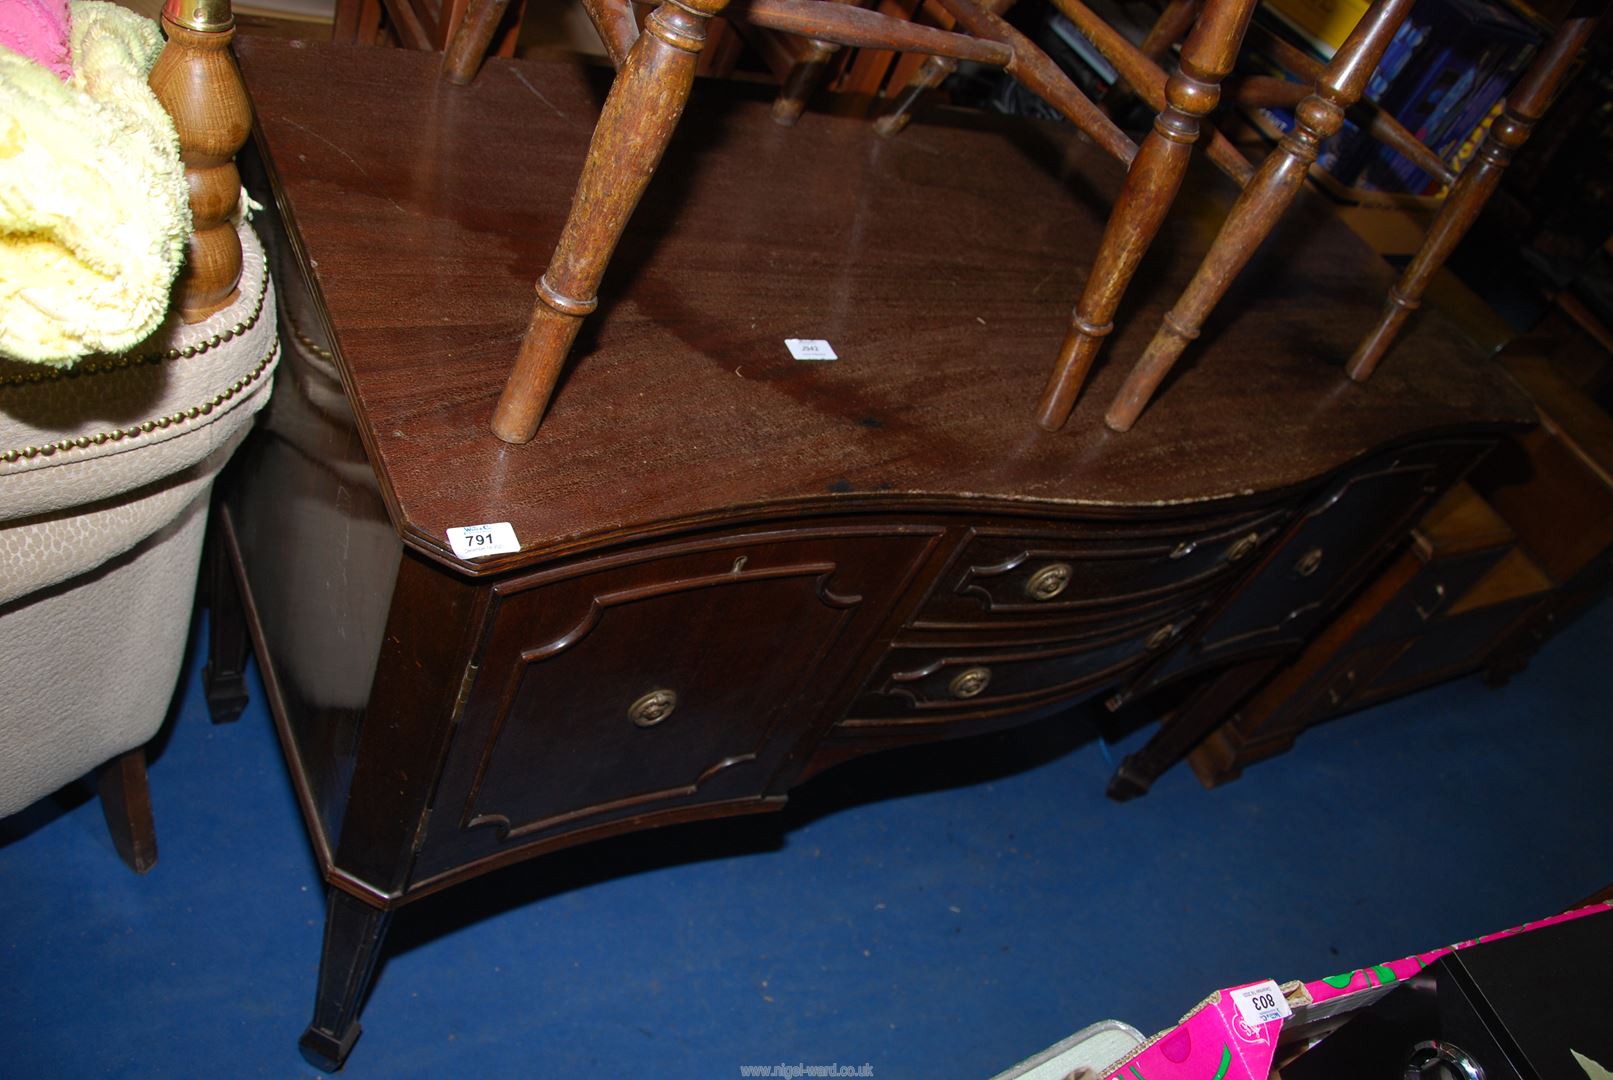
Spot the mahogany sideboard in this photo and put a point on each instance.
(736, 568)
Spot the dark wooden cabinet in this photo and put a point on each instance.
(735, 569)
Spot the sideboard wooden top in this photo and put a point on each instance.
(940, 265)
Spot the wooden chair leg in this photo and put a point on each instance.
(1171, 27)
(1145, 198)
(468, 47)
(929, 75)
(1261, 204)
(802, 80)
(640, 114)
(1148, 80)
(126, 803)
(1525, 105)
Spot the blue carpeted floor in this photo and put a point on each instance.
(936, 913)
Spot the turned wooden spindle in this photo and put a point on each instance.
(197, 82)
(1524, 106)
(1148, 80)
(1260, 91)
(1261, 204)
(1172, 25)
(1145, 198)
(641, 112)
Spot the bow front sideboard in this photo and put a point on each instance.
(733, 568)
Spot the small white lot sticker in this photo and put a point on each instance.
(810, 349)
(478, 541)
(1261, 1003)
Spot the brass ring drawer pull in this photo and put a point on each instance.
(1309, 562)
(1048, 582)
(1243, 547)
(1432, 609)
(970, 682)
(652, 708)
(1160, 636)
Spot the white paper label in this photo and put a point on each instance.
(477, 541)
(1261, 1003)
(810, 349)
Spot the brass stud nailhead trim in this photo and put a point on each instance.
(118, 363)
(309, 343)
(145, 427)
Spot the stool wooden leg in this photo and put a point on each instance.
(354, 932)
(126, 802)
(228, 643)
(1528, 100)
(1260, 206)
(640, 114)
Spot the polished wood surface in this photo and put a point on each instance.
(423, 245)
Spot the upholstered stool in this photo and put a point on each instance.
(105, 472)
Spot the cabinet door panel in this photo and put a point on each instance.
(657, 685)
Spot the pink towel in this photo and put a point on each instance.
(37, 29)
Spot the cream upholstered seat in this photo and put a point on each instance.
(105, 473)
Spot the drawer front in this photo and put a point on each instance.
(678, 679)
(1352, 528)
(917, 684)
(1004, 578)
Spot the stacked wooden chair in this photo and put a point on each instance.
(656, 70)
(1318, 116)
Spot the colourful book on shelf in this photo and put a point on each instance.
(1323, 23)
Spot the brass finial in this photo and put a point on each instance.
(205, 16)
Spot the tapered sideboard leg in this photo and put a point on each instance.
(224, 677)
(1203, 712)
(353, 934)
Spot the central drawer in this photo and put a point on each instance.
(919, 684)
(1004, 577)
